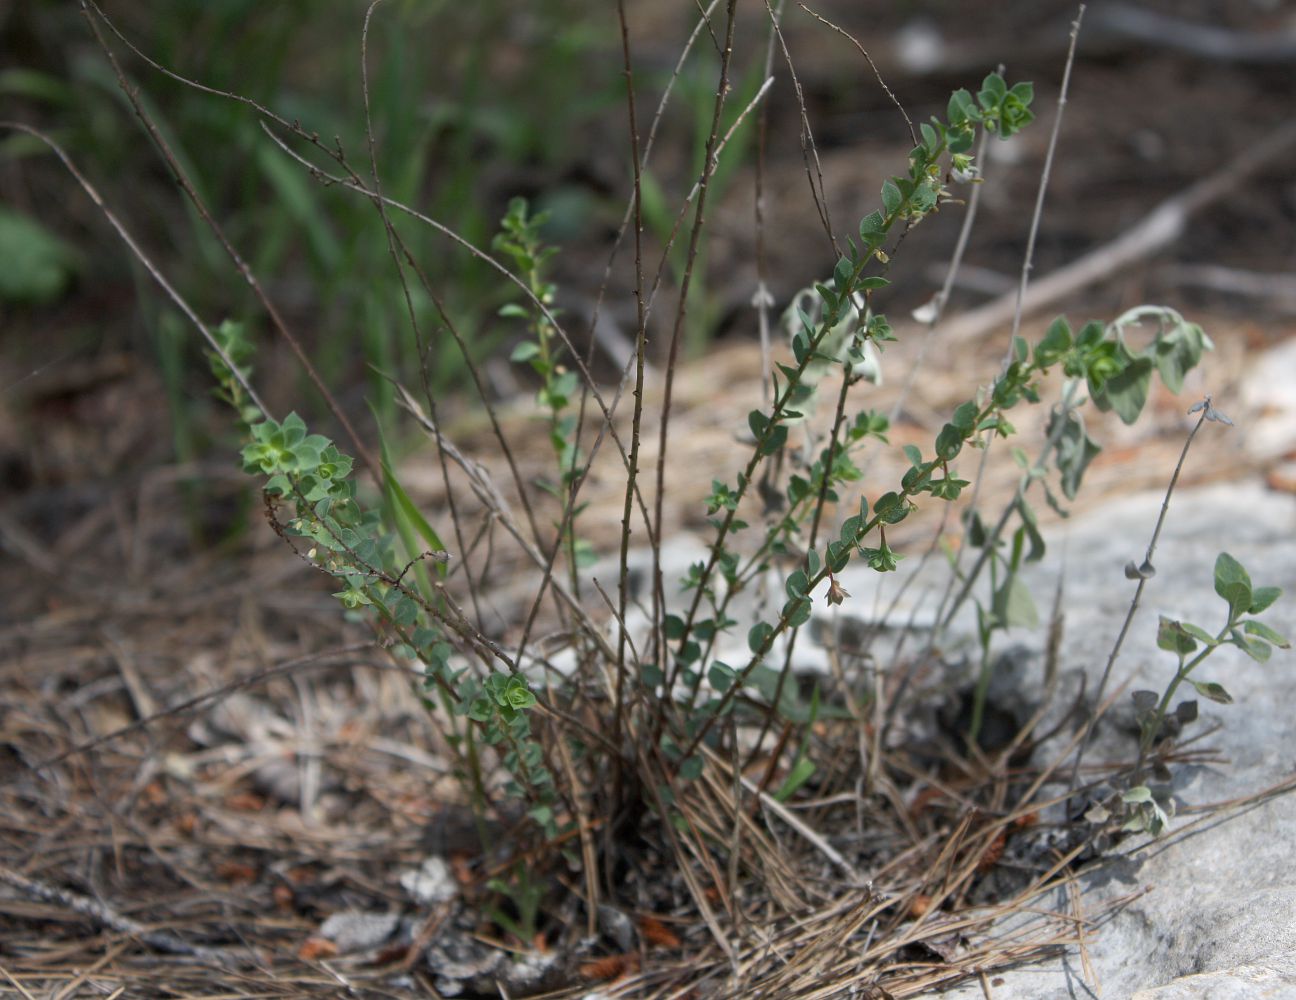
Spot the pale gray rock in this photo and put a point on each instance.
(1218, 918)
(1268, 393)
(431, 883)
(463, 965)
(359, 931)
(1275, 981)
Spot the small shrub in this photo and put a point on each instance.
(653, 722)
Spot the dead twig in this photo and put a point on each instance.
(103, 914)
(1158, 229)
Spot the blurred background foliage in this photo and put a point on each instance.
(474, 104)
(471, 104)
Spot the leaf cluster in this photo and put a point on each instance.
(1191, 645)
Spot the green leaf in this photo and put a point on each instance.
(872, 226)
(801, 772)
(1198, 633)
(1233, 583)
(1257, 649)
(1091, 334)
(1075, 450)
(916, 480)
(843, 273)
(293, 429)
(38, 266)
(992, 92)
(1252, 627)
(949, 442)
(525, 351)
(890, 508)
(1126, 392)
(1211, 690)
(1173, 637)
(1024, 91)
(1053, 502)
(758, 636)
(410, 524)
(1178, 352)
(800, 351)
(891, 197)
(930, 139)
(807, 327)
(796, 612)
(962, 108)
(721, 676)
(1014, 115)
(308, 453)
(1031, 525)
(37, 86)
(405, 613)
(831, 299)
(1262, 597)
(1055, 343)
(964, 417)
(1014, 606)
(277, 484)
(518, 695)
(776, 440)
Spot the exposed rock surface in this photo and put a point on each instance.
(1218, 918)
(1215, 909)
(1266, 981)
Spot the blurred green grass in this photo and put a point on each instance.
(469, 102)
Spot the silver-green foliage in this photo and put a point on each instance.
(841, 332)
(1191, 645)
(348, 540)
